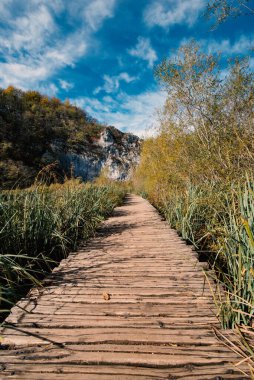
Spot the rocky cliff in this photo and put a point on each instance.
(113, 151)
(45, 138)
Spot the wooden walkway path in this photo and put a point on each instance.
(132, 304)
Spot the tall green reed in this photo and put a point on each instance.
(39, 225)
(221, 222)
(195, 214)
(237, 249)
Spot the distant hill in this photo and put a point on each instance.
(46, 137)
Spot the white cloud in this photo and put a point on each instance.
(242, 45)
(132, 113)
(31, 42)
(112, 84)
(166, 13)
(67, 52)
(56, 5)
(31, 70)
(4, 10)
(65, 85)
(97, 11)
(48, 88)
(29, 32)
(17, 74)
(144, 50)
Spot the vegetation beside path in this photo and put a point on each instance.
(198, 170)
(41, 224)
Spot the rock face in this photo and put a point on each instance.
(113, 151)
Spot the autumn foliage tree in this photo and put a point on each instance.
(206, 130)
(198, 170)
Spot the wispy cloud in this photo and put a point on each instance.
(112, 83)
(65, 85)
(49, 88)
(136, 113)
(27, 33)
(97, 11)
(166, 13)
(144, 50)
(32, 47)
(242, 45)
(31, 69)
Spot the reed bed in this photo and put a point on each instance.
(40, 225)
(237, 250)
(221, 223)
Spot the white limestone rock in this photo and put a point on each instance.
(114, 150)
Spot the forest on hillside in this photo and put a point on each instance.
(29, 124)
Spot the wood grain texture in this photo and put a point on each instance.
(132, 303)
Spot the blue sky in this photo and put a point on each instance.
(101, 53)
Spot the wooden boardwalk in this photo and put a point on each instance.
(131, 304)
